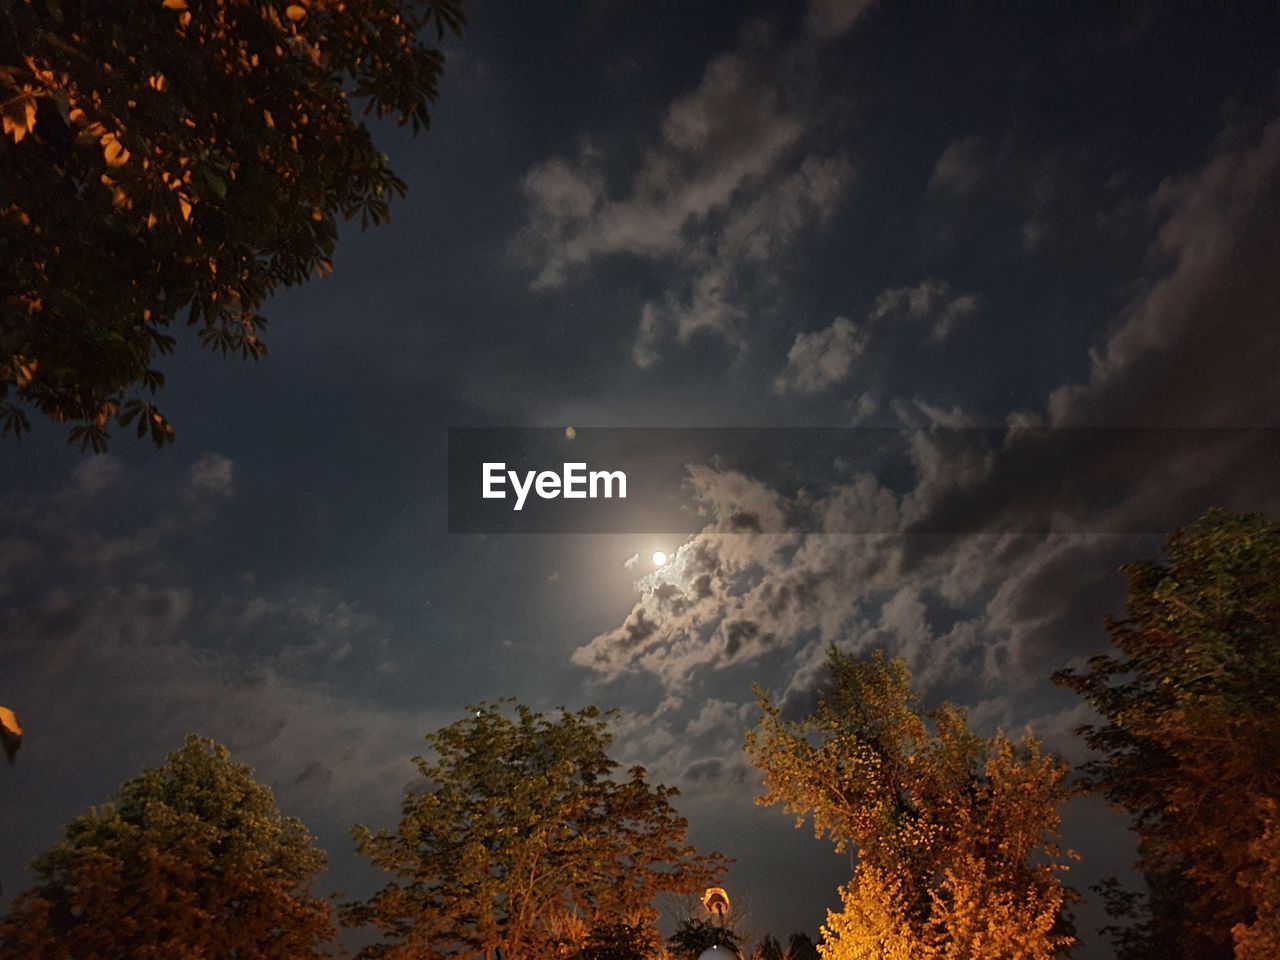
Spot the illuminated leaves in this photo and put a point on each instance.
(190, 860)
(10, 734)
(1190, 713)
(113, 151)
(18, 115)
(1259, 939)
(148, 420)
(956, 834)
(24, 370)
(518, 834)
(136, 156)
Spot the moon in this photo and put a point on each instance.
(659, 558)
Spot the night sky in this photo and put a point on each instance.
(846, 214)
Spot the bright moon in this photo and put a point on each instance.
(659, 558)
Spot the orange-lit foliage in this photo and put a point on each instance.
(1190, 741)
(1259, 939)
(956, 834)
(192, 860)
(519, 839)
(10, 734)
(620, 941)
(165, 162)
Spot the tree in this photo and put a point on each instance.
(1189, 738)
(695, 934)
(165, 163)
(192, 859)
(620, 941)
(520, 839)
(800, 947)
(956, 834)
(10, 734)
(768, 949)
(1259, 938)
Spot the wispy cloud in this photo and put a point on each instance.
(960, 167)
(120, 625)
(728, 185)
(932, 301)
(820, 359)
(830, 18)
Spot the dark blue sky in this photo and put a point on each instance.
(841, 214)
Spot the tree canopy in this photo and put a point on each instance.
(694, 935)
(801, 947)
(768, 949)
(167, 163)
(520, 839)
(192, 859)
(615, 940)
(1189, 741)
(956, 834)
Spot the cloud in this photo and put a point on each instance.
(953, 314)
(999, 611)
(720, 719)
(1206, 321)
(827, 19)
(960, 167)
(719, 199)
(91, 476)
(1040, 197)
(113, 662)
(212, 474)
(822, 358)
(727, 131)
(931, 300)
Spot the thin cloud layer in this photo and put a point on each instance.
(116, 624)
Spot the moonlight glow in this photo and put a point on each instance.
(659, 558)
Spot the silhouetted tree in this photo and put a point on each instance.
(621, 941)
(189, 860)
(956, 833)
(768, 949)
(520, 838)
(800, 947)
(1190, 740)
(165, 163)
(696, 934)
